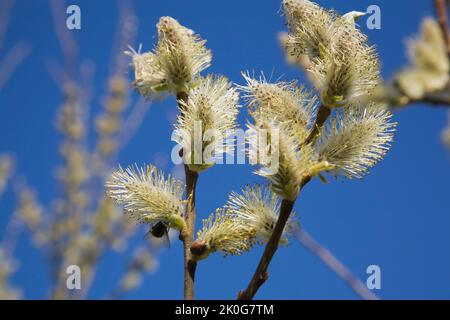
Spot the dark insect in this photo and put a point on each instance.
(159, 230)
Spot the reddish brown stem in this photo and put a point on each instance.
(187, 236)
(442, 17)
(322, 115)
(260, 276)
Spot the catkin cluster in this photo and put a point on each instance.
(294, 135)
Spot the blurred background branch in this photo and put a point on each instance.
(80, 224)
(336, 266)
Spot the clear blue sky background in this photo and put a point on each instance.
(398, 217)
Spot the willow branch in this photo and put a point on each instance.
(187, 236)
(442, 17)
(334, 264)
(190, 264)
(261, 275)
(322, 115)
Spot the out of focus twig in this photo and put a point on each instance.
(5, 14)
(66, 41)
(133, 121)
(334, 264)
(126, 34)
(13, 58)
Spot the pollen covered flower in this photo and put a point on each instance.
(259, 207)
(207, 119)
(309, 28)
(176, 62)
(149, 77)
(340, 63)
(282, 116)
(282, 102)
(224, 231)
(298, 60)
(280, 158)
(356, 140)
(147, 195)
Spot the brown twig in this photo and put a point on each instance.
(190, 264)
(187, 235)
(260, 276)
(334, 264)
(322, 115)
(442, 16)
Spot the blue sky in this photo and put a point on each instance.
(398, 217)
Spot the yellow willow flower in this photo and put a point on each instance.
(224, 231)
(341, 64)
(282, 116)
(357, 140)
(176, 62)
(259, 208)
(206, 121)
(283, 102)
(309, 28)
(289, 54)
(429, 50)
(429, 70)
(149, 77)
(147, 195)
(283, 160)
